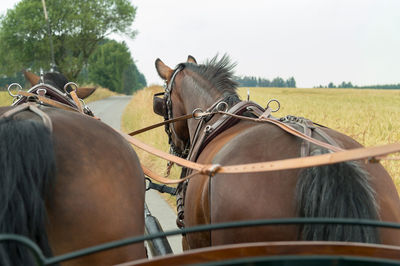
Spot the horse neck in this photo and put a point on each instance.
(195, 96)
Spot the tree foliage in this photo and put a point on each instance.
(18, 77)
(77, 29)
(112, 66)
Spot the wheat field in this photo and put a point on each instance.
(369, 116)
(5, 98)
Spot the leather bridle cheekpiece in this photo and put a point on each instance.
(163, 107)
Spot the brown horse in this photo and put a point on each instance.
(346, 190)
(71, 185)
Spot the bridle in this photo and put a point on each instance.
(163, 107)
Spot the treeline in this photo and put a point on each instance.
(250, 81)
(350, 85)
(5, 81)
(110, 66)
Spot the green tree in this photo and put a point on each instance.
(278, 82)
(133, 80)
(5, 81)
(112, 66)
(345, 85)
(331, 85)
(77, 28)
(291, 83)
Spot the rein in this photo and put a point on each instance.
(340, 155)
(180, 118)
(371, 154)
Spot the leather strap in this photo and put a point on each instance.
(372, 153)
(285, 127)
(369, 153)
(180, 118)
(29, 107)
(48, 101)
(288, 129)
(76, 101)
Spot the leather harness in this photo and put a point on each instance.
(297, 126)
(45, 94)
(206, 132)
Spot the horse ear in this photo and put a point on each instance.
(84, 92)
(191, 60)
(32, 78)
(163, 70)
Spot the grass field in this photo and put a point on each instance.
(100, 93)
(5, 98)
(369, 116)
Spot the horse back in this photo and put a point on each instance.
(230, 197)
(97, 193)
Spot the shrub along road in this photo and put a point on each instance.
(110, 110)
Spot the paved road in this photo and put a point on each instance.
(110, 110)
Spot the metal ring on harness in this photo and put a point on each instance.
(9, 89)
(72, 84)
(271, 101)
(222, 103)
(197, 111)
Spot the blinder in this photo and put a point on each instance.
(159, 105)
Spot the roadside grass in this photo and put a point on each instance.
(369, 116)
(5, 98)
(98, 94)
(139, 114)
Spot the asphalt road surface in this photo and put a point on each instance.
(110, 110)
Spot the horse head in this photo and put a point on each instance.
(57, 80)
(172, 105)
(192, 87)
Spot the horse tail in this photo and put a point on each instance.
(337, 191)
(27, 167)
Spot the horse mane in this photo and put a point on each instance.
(55, 79)
(217, 72)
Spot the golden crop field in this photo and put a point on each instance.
(5, 98)
(369, 116)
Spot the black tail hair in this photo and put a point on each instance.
(337, 191)
(27, 168)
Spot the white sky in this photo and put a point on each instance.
(315, 41)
